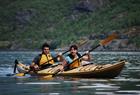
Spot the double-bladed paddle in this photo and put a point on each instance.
(102, 43)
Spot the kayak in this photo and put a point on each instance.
(85, 71)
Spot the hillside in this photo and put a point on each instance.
(26, 24)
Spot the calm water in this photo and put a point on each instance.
(127, 83)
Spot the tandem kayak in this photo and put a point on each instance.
(86, 71)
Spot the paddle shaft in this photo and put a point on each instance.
(76, 59)
(102, 42)
(58, 55)
(86, 53)
(15, 66)
(16, 62)
(53, 58)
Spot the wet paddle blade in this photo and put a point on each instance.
(17, 74)
(20, 74)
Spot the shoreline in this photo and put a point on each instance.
(66, 50)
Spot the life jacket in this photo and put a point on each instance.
(76, 63)
(45, 58)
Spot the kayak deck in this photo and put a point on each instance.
(89, 71)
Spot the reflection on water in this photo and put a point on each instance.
(127, 83)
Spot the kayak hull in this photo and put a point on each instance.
(99, 72)
(87, 71)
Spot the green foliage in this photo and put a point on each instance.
(54, 21)
(136, 40)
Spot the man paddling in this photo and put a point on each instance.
(73, 60)
(45, 59)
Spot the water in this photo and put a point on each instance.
(127, 83)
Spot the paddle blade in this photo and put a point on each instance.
(108, 39)
(20, 74)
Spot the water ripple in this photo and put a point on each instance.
(41, 83)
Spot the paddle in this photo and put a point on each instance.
(102, 43)
(51, 65)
